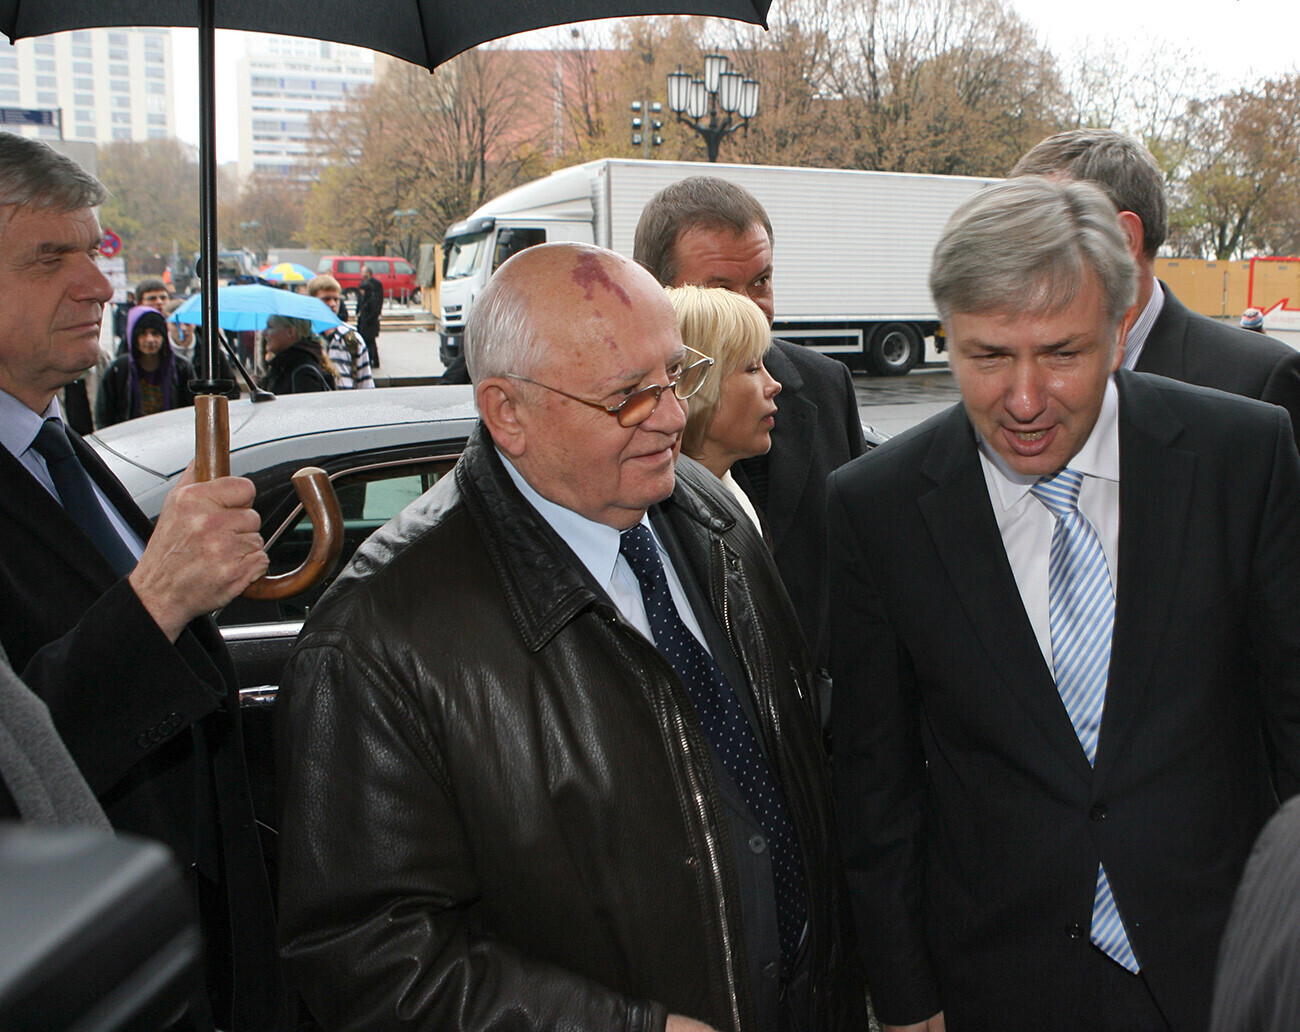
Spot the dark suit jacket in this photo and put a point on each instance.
(971, 820)
(817, 430)
(1256, 988)
(1187, 346)
(152, 726)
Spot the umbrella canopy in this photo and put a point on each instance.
(286, 272)
(424, 32)
(248, 307)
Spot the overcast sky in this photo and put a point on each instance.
(1239, 40)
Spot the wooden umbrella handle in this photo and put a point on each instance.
(212, 460)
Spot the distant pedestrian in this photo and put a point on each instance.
(148, 378)
(1252, 319)
(343, 344)
(369, 304)
(296, 360)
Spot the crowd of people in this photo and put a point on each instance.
(672, 710)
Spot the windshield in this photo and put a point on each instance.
(463, 255)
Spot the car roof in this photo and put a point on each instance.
(144, 452)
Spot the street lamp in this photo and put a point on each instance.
(403, 218)
(725, 97)
(645, 133)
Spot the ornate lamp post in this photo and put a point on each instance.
(726, 98)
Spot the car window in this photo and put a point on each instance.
(368, 498)
(403, 268)
(352, 266)
(378, 268)
(324, 265)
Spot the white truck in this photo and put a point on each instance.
(851, 252)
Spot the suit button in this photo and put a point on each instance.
(692, 862)
(757, 843)
(1074, 930)
(1098, 812)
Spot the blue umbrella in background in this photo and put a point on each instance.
(248, 307)
(286, 272)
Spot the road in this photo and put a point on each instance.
(890, 404)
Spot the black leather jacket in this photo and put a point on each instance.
(499, 806)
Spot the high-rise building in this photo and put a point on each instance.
(281, 82)
(107, 84)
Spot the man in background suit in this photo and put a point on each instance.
(708, 232)
(102, 615)
(1057, 736)
(1166, 337)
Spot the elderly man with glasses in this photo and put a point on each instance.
(562, 717)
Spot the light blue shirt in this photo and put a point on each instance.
(596, 546)
(19, 426)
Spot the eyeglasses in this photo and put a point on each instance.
(683, 380)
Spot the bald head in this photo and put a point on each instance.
(549, 294)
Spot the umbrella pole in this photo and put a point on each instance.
(209, 384)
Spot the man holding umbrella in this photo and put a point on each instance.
(103, 616)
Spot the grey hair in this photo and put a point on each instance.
(500, 333)
(32, 172)
(1119, 164)
(696, 201)
(1026, 245)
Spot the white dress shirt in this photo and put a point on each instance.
(596, 546)
(1026, 524)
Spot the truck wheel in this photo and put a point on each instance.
(895, 348)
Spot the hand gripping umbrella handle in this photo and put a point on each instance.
(212, 460)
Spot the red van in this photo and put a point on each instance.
(395, 274)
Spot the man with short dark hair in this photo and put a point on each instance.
(105, 617)
(370, 304)
(1067, 680)
(562, 717)
(153, 293)
(706, 231)
(343, 344)
(1166, 337)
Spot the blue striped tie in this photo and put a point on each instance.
(1082, 613)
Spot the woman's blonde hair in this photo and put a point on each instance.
(301, 329)
(730, 329)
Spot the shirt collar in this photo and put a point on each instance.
(1141, 328)
(19, 425)
(595, 544)
(1099, 456)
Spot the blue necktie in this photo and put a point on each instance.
(1082, 614)
(77, 494)
(729, 732)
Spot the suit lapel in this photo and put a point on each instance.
(1156, 480)
(32, 507)
(794, 440)
(959, 517)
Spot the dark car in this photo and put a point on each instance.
(382, 449)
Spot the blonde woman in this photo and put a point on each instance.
(296, 361)
(732, 415)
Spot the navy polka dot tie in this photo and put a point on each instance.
(728, 730)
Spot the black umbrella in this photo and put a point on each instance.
(425, 32)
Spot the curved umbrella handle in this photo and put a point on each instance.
(212, 460)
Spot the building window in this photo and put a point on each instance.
(121, 102)
(81, 36)
(47, 82)
(8, 78)
(154, 56)
(9, 61)
(121, 118)
(155, 87)
(83, 84)
(8, 96)
(157, 119)
(121, 134)
(118, 54)
(155, 72)
(153, 42)
(84, 115)
(45, 64)
(120, 86)
(119, 70)
(117, 39)
(85, 132)
(44, 47)
(83, 68)
(82, 51)
(47, 100)
(84, 100)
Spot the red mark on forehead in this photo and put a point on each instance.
(588, 273)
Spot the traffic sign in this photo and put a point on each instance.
(110, 244)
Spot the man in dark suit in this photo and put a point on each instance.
(1067, 682)
(708, 232)
(102, 615)
(1166, 337)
